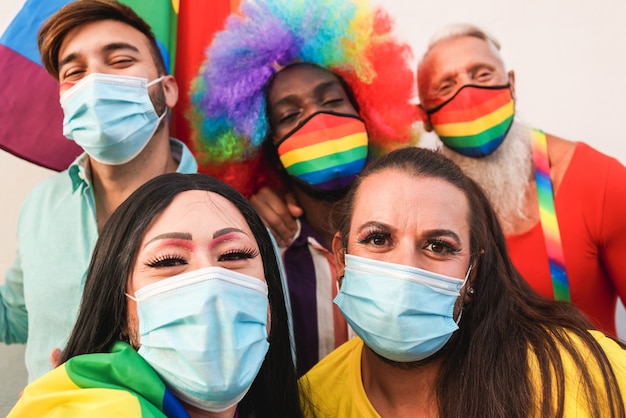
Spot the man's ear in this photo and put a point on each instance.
(170, 89)
(340, 256)
(423, 116)
(512, 83)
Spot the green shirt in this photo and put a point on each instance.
(57, 231)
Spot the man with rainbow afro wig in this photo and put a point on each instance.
(294, 98)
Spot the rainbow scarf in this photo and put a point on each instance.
(115, 384)
(326, 151)
(547, 215)
(475, 120)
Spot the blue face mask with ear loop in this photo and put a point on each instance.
(205, 333)
(403, 313)
(110, 116)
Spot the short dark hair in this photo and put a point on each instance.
(504, 320)
(103, 312)
(80, 12)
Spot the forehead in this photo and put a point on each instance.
(94, 36)
(458, 54)
(299, 80)
(431, 203)
(198, 212)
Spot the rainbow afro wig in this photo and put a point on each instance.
(348, 37)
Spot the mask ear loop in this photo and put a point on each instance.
(469, 270)
(152, 83)
(131, 297)
(156, 80)
(124, 335)
(469, 290)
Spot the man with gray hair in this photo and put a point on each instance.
(565, 228)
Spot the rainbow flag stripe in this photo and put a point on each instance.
(475, 125)
(547, 215)
(318, 163)
(119, 383)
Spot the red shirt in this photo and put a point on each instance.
(591, 211)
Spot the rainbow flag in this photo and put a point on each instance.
(116, 384)
(31, 119)
(476, 125)
(198, 21)
(30, 114)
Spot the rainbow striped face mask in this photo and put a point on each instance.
(325, 152)
(475, 120)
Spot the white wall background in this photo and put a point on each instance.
(570, 62)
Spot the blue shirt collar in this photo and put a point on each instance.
(80, 170)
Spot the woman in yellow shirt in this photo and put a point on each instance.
(447, 327)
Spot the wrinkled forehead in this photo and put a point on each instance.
(400, 196)
(453, 55)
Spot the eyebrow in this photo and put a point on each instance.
(445, 233)
(171, 235)
(107, 48)
(225, 231)
(374, 224)
(470, 69)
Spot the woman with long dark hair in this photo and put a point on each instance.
(446, 326)
(183, 313)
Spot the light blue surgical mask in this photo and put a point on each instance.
(110, 116)
(401, 312)
(205, 333)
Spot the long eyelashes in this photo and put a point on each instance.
(380, 239)
(166, 261)
(442, 247)
(246, 253)
(376, 238)
(170, 260)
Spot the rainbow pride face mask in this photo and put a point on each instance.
(475, 120)
(325, 152)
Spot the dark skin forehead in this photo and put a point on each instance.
(301, 90)
(293, 82)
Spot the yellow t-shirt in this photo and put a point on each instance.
(335, 386)
(576, 403)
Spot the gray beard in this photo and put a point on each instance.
(504, 175)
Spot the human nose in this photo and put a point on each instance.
(310, 109)
(202, 260)
(94, 68)
(406, 254)
(464, 79)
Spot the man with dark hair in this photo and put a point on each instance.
(115, 94)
